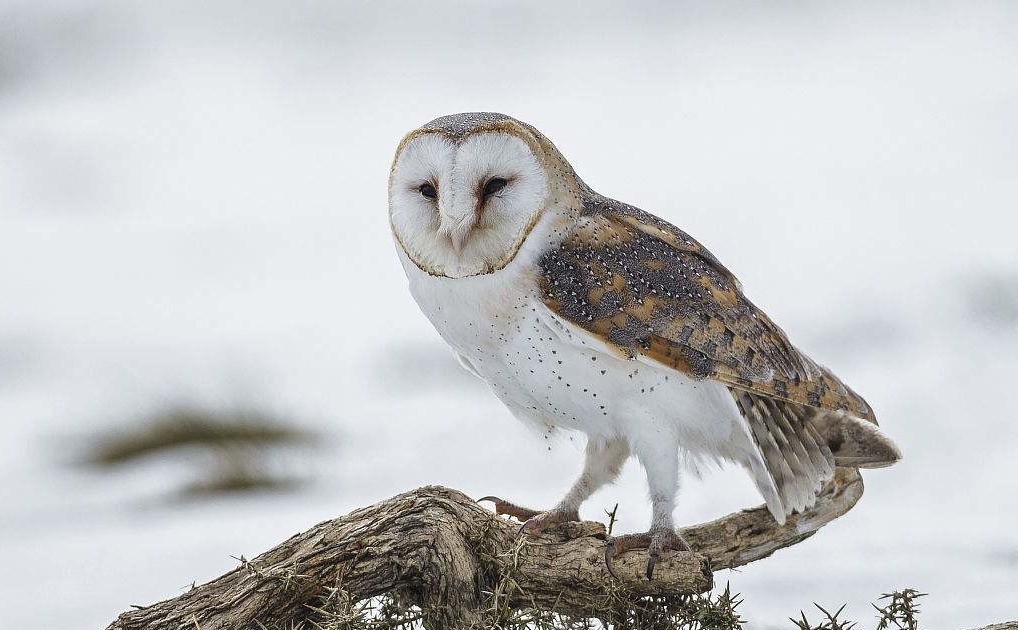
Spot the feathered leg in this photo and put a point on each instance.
(660, 458)
(602, 463)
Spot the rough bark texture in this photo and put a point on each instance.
(442, 551)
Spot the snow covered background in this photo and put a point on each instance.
(192, 210)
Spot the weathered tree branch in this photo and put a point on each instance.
(439, 549)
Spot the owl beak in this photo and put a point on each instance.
(457, 243)
(458, 229)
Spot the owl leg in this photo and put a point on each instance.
(660, 458)
(602, 462)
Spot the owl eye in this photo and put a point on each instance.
(493, 186)
(428, 190)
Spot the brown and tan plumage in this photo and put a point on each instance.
(647, 287)
(586, 313)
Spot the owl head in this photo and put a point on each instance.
(466, 190)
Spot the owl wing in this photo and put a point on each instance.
(647, 289)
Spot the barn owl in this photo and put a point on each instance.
(584, 313)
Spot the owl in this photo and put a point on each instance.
(587, 314)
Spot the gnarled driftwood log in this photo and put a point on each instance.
(439, 549)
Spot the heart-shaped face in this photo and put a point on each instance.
(462, 205)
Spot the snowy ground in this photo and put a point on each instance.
(192, 208)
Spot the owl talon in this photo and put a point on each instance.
(609, 553)
(655, 542)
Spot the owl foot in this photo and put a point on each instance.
(655, 542)
(534, 521)
(510, 509)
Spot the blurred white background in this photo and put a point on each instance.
(193, 212)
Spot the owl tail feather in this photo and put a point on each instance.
(798, 447)
(854, 442)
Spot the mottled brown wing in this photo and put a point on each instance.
(646, 287)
